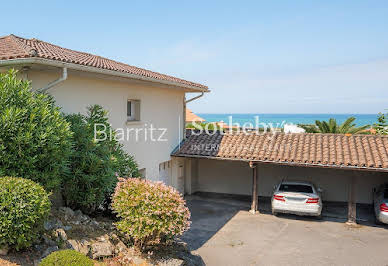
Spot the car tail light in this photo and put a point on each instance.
(312, 200)
(383, 207)
(279, 198)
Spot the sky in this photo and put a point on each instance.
(255, 56)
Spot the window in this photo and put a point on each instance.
(295, 188)
(142, 173)
(133, 110)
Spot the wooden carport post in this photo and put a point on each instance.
(255, 203)
(352, 207)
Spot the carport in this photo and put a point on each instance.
(354, 164)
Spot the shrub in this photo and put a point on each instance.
(67, 257)
(150, 212)
(94, 165)
(34, 136)
(24, 205)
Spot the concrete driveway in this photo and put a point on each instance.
(223, 232)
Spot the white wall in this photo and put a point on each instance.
(236, 178)
(159, 106)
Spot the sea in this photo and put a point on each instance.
(278, 120)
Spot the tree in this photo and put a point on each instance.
(35, 139)
(95, 164)
(332, 126)
(381, 126)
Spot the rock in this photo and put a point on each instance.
(67, 227)
(60, 234)
(4, 251)
(172, 262)
(80, 246)
(49, 250)
(52, 224)
(84, 246)
(138, 261)
(114, 237)
(72, 244)
(101, 249)
(77, 213)
(94, 223)
(120, 247)
(190, 259)
(48, 241)
(79, 217)
(103, 238)
(67, 213)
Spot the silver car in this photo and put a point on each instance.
(380, 202)
(300, 198)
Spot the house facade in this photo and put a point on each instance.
(147, 107)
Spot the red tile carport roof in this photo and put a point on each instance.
(369, 152)
(13, 47)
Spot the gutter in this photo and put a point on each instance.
(184, 111)
(359, 168)
(78, 67)
(194, 98)
(55, 82)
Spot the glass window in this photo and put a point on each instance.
(295, 188)
(133, 110)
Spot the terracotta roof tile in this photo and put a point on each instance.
(327, 150)
(191, 117)
(13, 47)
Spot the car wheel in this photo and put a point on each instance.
(274, 213)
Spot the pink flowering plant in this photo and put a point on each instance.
(149, 212)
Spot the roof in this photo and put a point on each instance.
(306, 149)
(13, 47)
(190, 117)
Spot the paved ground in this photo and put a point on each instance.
(223, 232)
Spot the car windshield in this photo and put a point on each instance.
(295, 188)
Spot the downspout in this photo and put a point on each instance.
(55, 82)
(184, 111)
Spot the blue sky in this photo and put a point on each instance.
(256, 57)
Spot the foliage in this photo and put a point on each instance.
(67, 257)
(24, 205)
(332, 127)
(381, 126)
(150, 212)
(34, 136)
(95, 163)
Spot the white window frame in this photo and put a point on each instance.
(133, 110)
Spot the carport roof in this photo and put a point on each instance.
(359, 152)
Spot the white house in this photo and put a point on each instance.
(148, 107)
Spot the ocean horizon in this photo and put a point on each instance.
(278, 120)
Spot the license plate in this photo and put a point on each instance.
(295, 199)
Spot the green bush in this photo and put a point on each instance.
(34, 136)
(24, 205)
(149, 212)
(67, 257)
(94, 165)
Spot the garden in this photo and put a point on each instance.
(67, 199)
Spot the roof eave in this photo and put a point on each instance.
(55, 63)
(341, 167)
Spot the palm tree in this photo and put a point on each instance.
(347, 127)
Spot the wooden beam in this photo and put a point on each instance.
(255, 203)
(352, 207)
